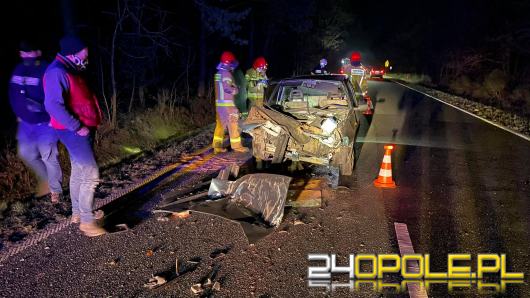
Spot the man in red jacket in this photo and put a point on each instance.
(75, 114)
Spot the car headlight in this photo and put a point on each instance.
(328, 126)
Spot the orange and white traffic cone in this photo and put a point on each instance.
(385, 173)
(369, 104)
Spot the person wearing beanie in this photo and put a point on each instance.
(75, 115)
(37, 141)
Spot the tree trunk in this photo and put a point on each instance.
(67, 7)
(251, 38)
(202, 59)
(268, 39)
(102, 77)
(132, 93)
(113, 99)
(141, 95)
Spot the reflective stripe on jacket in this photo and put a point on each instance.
(255, 85)
(225, 88)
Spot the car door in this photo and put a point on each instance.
(354, 114)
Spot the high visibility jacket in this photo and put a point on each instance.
(225, 88)
(358, 74)
(256, 83)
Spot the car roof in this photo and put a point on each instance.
(328, 77)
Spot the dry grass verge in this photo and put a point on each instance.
(138, 131)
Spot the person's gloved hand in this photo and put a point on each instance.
(83, 131)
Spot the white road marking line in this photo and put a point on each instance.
(416, 290)
(469, 113)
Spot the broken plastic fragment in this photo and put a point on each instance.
(181, 215)
(208, 283)
(155, 282)
(216, 286)
(121, 227)
(197, 289)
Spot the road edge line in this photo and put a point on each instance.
(405, 247)
(468, 112)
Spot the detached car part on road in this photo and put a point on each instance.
(312, 119)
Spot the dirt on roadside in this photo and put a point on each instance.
(25, 217)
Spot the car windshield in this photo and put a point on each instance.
(310, 93)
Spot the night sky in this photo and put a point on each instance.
(415, 35)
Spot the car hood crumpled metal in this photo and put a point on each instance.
(259, 115)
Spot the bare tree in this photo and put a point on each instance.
(141, 33)
(216, 19)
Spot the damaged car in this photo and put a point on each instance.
(312, 119)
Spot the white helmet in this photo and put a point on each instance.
(323, 62)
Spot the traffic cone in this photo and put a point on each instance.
(369, 103)
(385, 173)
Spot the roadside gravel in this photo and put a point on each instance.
(509, 120)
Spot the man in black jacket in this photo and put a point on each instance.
(37, 141)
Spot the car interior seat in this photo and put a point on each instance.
(296, 95)
(296, 100)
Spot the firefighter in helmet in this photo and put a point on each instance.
(358, 72)
(257, 81)
(345, 66)
(321, 68)
(227, 115)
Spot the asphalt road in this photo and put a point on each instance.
(463, 187)
(463, 184)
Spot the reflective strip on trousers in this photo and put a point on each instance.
(224, 103)
(217, 138)
(235, 140)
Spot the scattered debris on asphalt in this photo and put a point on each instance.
(195, 193)
(155, 281)
(220, 252)
(177, 271)
(216, 286)
(206, 288)
(298, 222)
(180, 215)
(196, 289)
(306, 192)
(114, 261)
(263, 194)
(120, 228)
